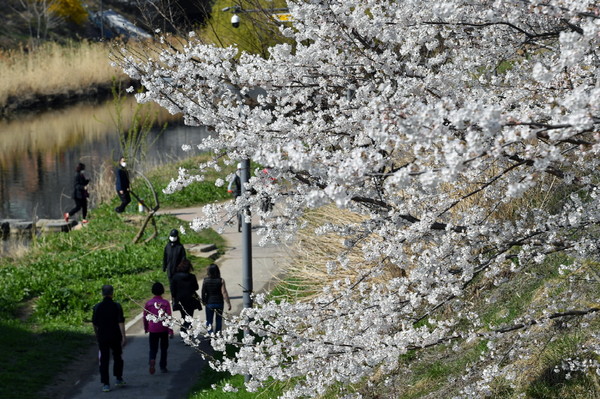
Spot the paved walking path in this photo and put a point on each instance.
(184, 363)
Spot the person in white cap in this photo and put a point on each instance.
(235, 184)
(235, 188)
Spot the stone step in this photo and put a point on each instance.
(211, 255)
(200, 247)
(202, 250)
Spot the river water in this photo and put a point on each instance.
(39, 153)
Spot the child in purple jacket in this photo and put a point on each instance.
(159, 333)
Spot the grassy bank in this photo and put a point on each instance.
(47, 294)
(442, 371)
(257, 30)
(196, 193)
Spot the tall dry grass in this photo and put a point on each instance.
(102, 184)
(53, 68)
(308, 255)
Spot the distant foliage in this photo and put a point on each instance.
(70, 10)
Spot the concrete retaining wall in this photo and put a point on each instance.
(21, 227)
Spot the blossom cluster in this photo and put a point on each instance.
(464, 133)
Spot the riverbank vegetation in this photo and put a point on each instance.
(55, 74)
(440, 373)
(200, 192)
(257, 30)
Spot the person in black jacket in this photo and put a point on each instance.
(183, 291)
(109, 326)
(173, 254)
(214, 296)
(80, 194)
(122, 185)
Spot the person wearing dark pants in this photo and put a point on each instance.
(109, 326)
(173, 254)
(122, 185)
(183, 290)
(80, 194)
(214, 296)
(158, 333)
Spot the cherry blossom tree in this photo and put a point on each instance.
(465, 134)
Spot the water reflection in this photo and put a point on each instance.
(38, 154)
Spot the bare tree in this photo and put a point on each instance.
(39, 17)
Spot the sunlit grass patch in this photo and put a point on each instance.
(46, 295)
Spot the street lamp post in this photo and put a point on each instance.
(247, 284)
(246, 240)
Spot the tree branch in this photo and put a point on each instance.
(507, 329)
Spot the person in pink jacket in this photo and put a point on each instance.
(159, 333)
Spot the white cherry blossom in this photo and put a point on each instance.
(429, 120)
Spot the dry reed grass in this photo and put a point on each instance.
(102, 185)
(15, 247)
(53, 68)
(546, 195)
(310, 253)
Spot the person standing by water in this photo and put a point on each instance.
(80, 194)
(109, 326)
(159, 333)
(122, 185)
(214, 296)
(183, 290)
(173, 254)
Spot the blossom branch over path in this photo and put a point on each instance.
(465, 135)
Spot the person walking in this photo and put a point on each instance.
(173, 254)
(235, 184)
(122, 185)
(214, 296)
(235, 188)
(109, 326)
(184, 287)
(80, 194)
(159, 334)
